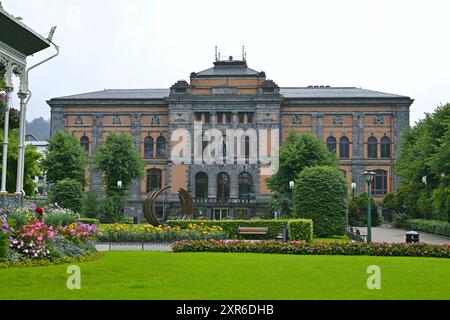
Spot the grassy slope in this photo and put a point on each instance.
(157, 275)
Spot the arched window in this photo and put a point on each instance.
(148, 147)
(344, 148)
(385, 145)
(245, 186)
(161, 147)
(223, 186)
(154, 179)
(331, 144)
(380, 183)
(372, 145)
(84, 141)
(247, 149)
(201, 185)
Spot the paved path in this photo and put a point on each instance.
(388, 234)
(133, 247)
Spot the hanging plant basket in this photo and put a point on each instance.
(3, 103)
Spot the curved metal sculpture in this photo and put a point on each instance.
(187, 205)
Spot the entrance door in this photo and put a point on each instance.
(220, 213)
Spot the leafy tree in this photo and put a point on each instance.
(14, 119)
(65, 158)
(320, 194)
(357, 211)
(118, 160)
(425, 151)
(90, 207)
(31, 165)
(68, 193)
(298, 152)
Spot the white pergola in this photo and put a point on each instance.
(17, 42)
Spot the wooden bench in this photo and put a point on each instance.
(253, 230)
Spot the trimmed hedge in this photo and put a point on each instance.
(301, 228)
(432, 226)
(89, 221)
(316, 248)
(320, 194)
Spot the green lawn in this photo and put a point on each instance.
(158, 275)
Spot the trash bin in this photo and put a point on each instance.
(412, 237)
(135, 220)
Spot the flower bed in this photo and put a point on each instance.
(148, 233)
(30, 239)
(317, 248)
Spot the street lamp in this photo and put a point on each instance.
(369, 174)
(291, 185)
(353, 190)
(119, 184)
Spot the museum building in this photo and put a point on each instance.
(362, 127)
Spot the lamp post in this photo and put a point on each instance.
(353, 190)
(369, 174)
(291, 185)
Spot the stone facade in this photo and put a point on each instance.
(232, 96)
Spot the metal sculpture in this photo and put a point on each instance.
(187, 205)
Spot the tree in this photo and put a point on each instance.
(424, 151)
(118, 160)
(298, 152)
(68, 193)
(65, 158)
(31, 165)
(90, 207)
(357, 211)
(320, 194)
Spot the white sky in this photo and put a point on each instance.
(393, 46)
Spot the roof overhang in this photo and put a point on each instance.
(20, 37)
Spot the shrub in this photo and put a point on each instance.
(67, 193)
(20, 217)
(357, 211)
(148, 233)
(300, 229)
(316, 248)
(56, 216)
(90, 221)
(320, 194)
(90, 208)
(4, 245)
(230, 227)
(431, 226)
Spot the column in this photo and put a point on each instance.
(5, 141)
(21, 149)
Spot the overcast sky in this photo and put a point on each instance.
(392, 46)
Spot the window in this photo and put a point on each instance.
(247, 149)
(344, 148)
(372, 144)
(245, 117)
(201, 185)
(331, 144)
(224, 117)
(385, 144)
(148, 147)
(84, 141)
(223, 186)
(154, 178)
(245, 186)
(203, 117)
(379, 186)
(161, 147)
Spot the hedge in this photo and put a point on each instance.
(432, 226)
(316, 248)
(320, 194)
(90, 221)
(301, 229)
